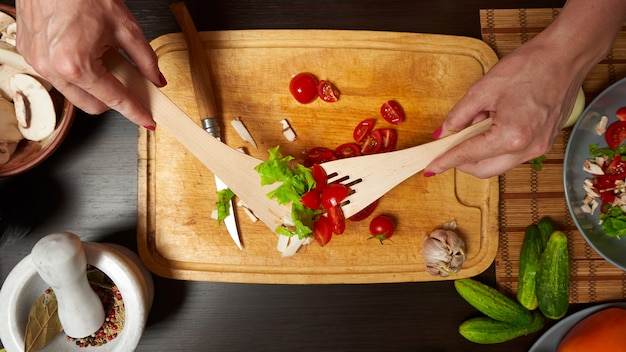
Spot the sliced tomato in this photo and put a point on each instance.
(322, 230)
(347, 150)
(615, 134)
(327, 91)
(616, 170)
(363, 129)
(365, 212)
(389, 138)
(318, 155)
(338, 220)
(334, 194)
(392, 112)
(303, 87)
(312, 199)
(372, 143)
(320, 177)
(621, 114)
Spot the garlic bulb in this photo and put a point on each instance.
(443, 251)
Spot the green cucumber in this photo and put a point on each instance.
(553, 277)
(528, 266)
(546, 228)
(486, 330)
(492, 303)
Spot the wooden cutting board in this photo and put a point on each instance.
(251, 71)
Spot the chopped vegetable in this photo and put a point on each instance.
(243, 132)
(223, 203)
(392, 112)
(288, 131)
(537, 163)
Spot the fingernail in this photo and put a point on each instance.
(437, 133)
(162, 80)
(149, 128)
(429, 174)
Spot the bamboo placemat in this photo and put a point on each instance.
(527, 195)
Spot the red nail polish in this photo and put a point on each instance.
(429, 174)
(149, 128)
(437, 132)
(162, 80)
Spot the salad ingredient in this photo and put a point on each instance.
(600, 128)
(553, 277)
(322, 230)
(615, 134)
(493, 303)
(242, 131)
(443, 251)
(288, 132)
(327, 91)
(382, 228)
(528, 266)
(621, 113)
(347, 150)
(338, 220)
(546, 228)
(248, 212)
(577, 111)
(363, 129)
(604, 330)
(223, 203)
(365, 212)
(372, 143)
(392, 112)
(34, 108)
(319, 155)
(389, 138)
(312, 199)
(319, 176)
(333, 194)
(485, 330)
(303, 87)
(537, 163)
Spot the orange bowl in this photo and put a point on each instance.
(31, 153)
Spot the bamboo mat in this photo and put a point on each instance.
(527, 195)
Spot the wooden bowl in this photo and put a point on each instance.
(31, 153)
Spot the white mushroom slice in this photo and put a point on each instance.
(9, 132)
(601, 125)
(5, 20)
(11, 63)
(9, 34)
(288, 132)
(34, 108)
(591, 191)
(6, 150)
(592, 168)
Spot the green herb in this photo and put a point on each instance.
(223, 204)
(295, 182)
(537, 162)
(614, 222)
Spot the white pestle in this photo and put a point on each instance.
(61, 262)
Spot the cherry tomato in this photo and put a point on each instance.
(318, 155)
(616, 170)
(347, 150)
(621, 114)
(322, 230)
(312, 199)
(382, 228)
(303, 87)
(363, 129)
(338, 220)
(365, 212)
(392, 112)
(615, 134)
(334, 194)
(320, 177)
(327, 91)
(389, 138)
(372, 143)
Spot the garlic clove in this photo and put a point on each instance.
(443, 251)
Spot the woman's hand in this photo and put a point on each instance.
(64, 41)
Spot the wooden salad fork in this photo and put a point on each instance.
(371, 176)
(233, 167)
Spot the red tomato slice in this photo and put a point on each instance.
(615, 134)
(363, 129)
(338, 220)
(327, 91)
(616, 170)
(319, 155)
(389, 138)
(347, 150)
(312, 199)
(392, 112)
(334, 194)
(365, 212)
(322, 230)
(320, 177)
(372, 143)
(303, 87)
(621, 113)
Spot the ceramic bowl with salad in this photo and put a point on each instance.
(594, 174)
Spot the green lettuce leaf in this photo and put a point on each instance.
(223, 204)
(614, 222)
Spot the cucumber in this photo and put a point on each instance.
(546, 228)
(485, 330)
(492, 303)
(528, 265)
(553, 277)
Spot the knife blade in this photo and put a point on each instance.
(205, 96)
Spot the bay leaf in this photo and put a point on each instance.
(43, 323)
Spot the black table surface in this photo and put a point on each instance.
(89, 187)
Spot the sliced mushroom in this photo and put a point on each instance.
(9, 132)
(5, 20)
(11, 63)
(34, 108)
(9, 34)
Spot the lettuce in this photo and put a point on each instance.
(614, 222)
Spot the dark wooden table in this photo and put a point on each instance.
(89, 187)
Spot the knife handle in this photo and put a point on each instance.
(211, 126)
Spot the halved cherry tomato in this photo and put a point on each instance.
(322, 230)
(318, 155)
(372, 143)
(389, 138)
(392, 112)
(327, 91)
(320, 177)
(616, 170)
(347, 150)
(303, 87)
(312, 199)
(363, 129)
(615, 134)
(365, 212)
(621, 114)
(338, 220)
(334, 194)
(382, 227)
